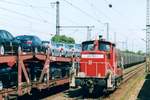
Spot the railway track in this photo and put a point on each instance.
(126, 86)
(64, 93)
(130, 73)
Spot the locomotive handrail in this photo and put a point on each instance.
(110, 67)
(95, 62)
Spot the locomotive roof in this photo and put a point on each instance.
(100, 41)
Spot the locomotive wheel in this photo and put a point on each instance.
(85, 91)
(118, 82)
(90, 86)
(98, 91)
(91, 89)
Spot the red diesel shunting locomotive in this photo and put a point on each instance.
(98, 66)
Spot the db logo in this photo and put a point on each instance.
(90, 62)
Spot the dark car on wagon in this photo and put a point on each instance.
(30, 43)
(8, 44)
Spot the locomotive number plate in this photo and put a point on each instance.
(92, 56)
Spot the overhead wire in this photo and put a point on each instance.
(135, 26)
(16, 25)
(22, 14)
(98, 10)
(23, 5)
(33, 7)
(36, 11)
(120, 14)
(84, 12)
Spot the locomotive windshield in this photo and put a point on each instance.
(89, 45)
(104, 47)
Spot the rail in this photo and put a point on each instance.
(129, 74)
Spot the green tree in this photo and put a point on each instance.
(127, 51)
(139, 52)
(63, 39)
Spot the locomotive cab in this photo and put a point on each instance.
(98, 66)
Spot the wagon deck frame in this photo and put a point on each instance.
(25, 87)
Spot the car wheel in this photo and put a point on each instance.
(35, 50)
(2, 50)
(47, 51)
(19, 50)
(52, 52)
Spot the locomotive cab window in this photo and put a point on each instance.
(104, 46)
(88, 46)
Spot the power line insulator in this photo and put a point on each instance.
(110, 5)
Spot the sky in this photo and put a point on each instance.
(126, 18)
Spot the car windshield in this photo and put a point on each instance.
(59, 45)
(89, 45)
(5, 34)
(45, 42)
(78, 46)
(9, 35)
(24, 37)
(69, 46)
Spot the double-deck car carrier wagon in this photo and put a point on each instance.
(19, 74)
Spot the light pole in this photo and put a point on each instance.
(146, 67)
(115, 37)
(147, 36)
(57, 17)
(107, 30)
